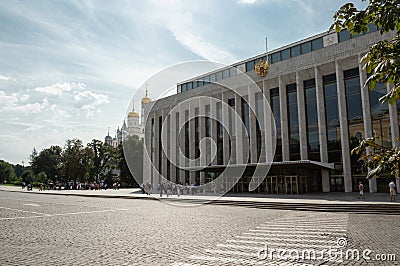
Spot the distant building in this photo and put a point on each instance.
(132, 126)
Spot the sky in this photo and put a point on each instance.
(69, 69)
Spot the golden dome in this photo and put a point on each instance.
(133, 114)
(146, 98)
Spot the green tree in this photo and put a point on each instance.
(27, 176)
(130, 161)
(75, 161)
(382, 63)
(100, 158)
(7, 173)
(41, 178)
(47, 161)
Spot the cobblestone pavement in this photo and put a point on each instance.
(60, 230)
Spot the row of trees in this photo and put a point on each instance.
(97, 161)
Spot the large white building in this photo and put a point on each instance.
(321, 109)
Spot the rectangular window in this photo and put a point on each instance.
(225, 74)
(250, 66)
(189, 86)
(312, 120)
(332, 118)
(219, 76)
(200, 83)
(344, 35)
(206, 80)
(285, 54)
(213, 78)
(276, 57)
(232, 127)
(275, 108)
(294, 140)
(195, 84)
(305, 47)
(245, 114)
(183, 87)
(316, 44)
(269, 59)
(295, 51)
(232, 71)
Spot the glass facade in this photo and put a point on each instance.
(259, 122)
(293, 119)
(312, 120)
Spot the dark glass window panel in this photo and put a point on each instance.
(285, 54)
(372, 27)
(332, 111)
(309, 83)
(291, 87)
(225, 73)
(250, 66)
(377, 108)
(274, 92)
(312, 114)
(292, 98)
(313, 136)
(245, 114)
(260, 110)
(213, 78)
(351, 73)
(354, 107)
(269, 59)
(183, 87)
(311, 94)
(295, 51)
(200, 83)
(276, 57)
(219, 76)
(276, 110)
(329, 78)
(206, 80)
(333, 134)
(189, 85)
(352, 86)
(330, 90)
(344, 35)
(305, 47)
(293, 116)
(316, 44)
(232, 71)
(195, 84)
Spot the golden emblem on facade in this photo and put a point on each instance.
(261, 68)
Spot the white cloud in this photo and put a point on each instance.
(30, 108)
(4, 77)
(24, 98)
(8, 100)
(90, 101)
(60, 87)
(247, 1)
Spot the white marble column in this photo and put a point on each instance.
(225, 122)
(252, 124)
(323, 142)
(344, 129)
(366, 108)
(284, 120)
(394, 128)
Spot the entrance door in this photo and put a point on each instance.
(237, 188)
(291, 183)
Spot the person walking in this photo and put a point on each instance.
(161, 189)
(361, 189)
(392, 190)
